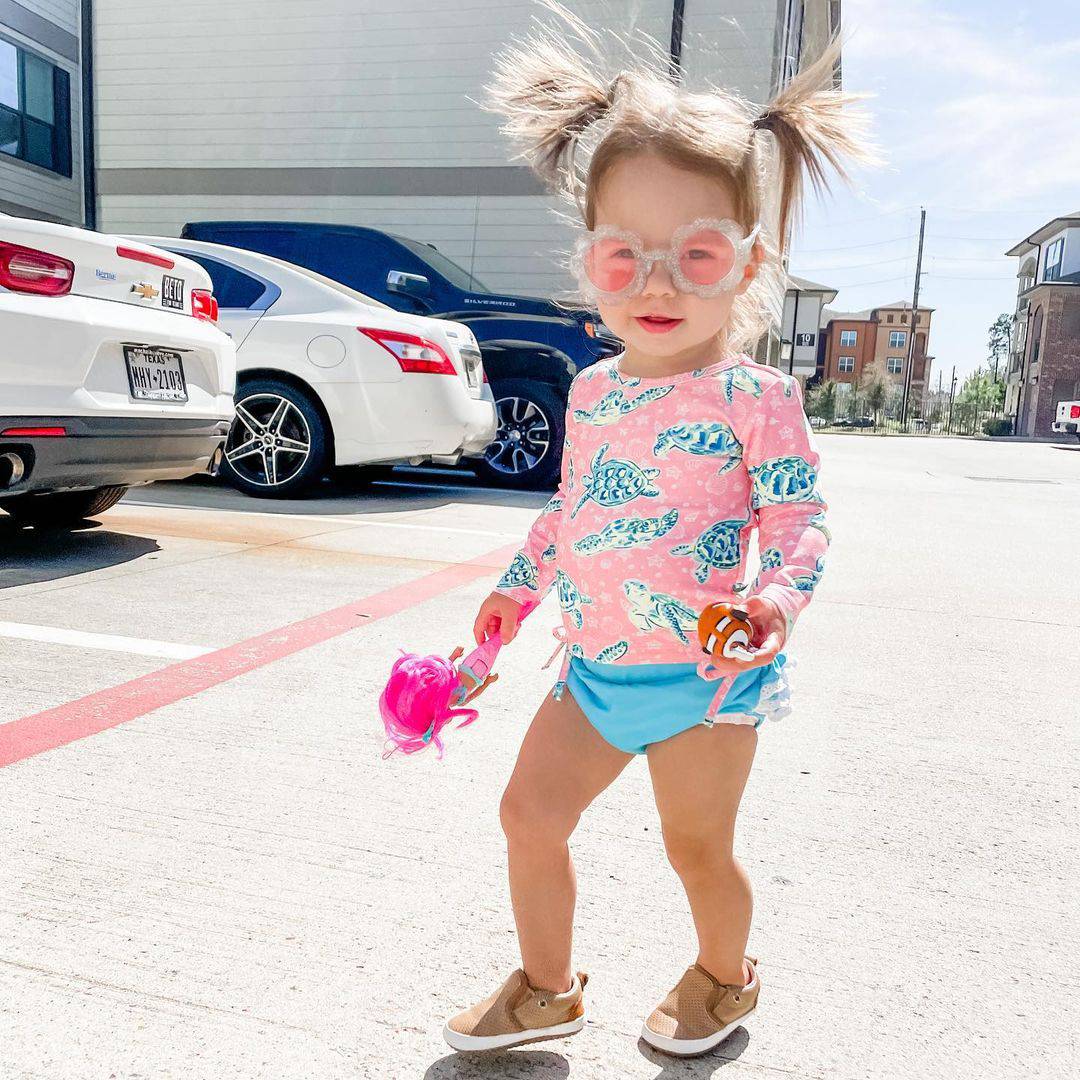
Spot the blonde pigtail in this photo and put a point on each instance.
(814, 126)
(550, 96)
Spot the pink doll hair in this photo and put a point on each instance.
(422, 692)
(415, 705)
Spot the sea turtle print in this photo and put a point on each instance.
(570, 598)
(771, 558)
(626, 532)
(738, 377)
(808, 582)
(604, 656)
(650, 611)
(553, 505)
(521, 571)
(617, 481)
(615, 405)
(818, 522)
(718, 548)
(548, 554)
(783, 480)
(616, 376)
(711, 438)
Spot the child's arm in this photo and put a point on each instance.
(783, 462)
(532, 569)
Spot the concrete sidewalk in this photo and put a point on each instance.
(237, 885)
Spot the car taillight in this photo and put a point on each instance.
(151, 257)
(33, 432)
(411, 351)
(28, 270)
(1074, 412)
(204, 305)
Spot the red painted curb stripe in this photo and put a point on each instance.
(35, 734)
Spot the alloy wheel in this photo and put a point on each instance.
(269, 441)
(522, 439)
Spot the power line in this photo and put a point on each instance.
(852, 247)
(859, 266)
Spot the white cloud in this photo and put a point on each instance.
(989, 115)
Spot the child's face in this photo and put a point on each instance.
(651, 197)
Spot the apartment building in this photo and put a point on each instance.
(859, 344)
(41, 106)
(1044, 356)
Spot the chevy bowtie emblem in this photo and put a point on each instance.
(145, 290)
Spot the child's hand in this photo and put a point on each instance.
(497, 612)
(770, 633)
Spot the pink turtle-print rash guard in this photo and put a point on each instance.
(663, 481)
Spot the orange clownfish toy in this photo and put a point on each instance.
(726, 632)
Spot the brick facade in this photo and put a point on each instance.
(872, 350)
(1052, 361)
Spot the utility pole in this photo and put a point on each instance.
(952, 391)
(909, 366)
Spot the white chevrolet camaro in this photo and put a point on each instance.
(327, 376)
(112, 370)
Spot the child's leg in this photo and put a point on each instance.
(698, 778)
(562, 766)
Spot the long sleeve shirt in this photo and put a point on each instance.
(663, 481)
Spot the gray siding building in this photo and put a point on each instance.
(41, 155)
(363, 112)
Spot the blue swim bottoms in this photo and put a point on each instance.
(632, 705)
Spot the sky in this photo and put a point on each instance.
(975, 106)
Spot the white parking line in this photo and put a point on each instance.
(357, 522)
(58, 635)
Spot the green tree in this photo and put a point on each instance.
(874, 397)
(822, 400)
(981, 390)
(1000, 336)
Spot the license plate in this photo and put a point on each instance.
(155, 374)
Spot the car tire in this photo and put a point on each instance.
(527, 449)
(58, 509)
(278, 444)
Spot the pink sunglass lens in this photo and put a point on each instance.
(610, 265)
(706, 257)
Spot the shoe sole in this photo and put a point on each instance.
(691, 1047)
(517, 1038)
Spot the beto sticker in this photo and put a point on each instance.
(172, 292)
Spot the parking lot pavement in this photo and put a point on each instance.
(213, 872)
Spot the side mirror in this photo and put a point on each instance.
(416, 285)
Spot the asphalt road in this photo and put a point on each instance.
(208, 870)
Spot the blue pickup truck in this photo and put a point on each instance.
(531, 347)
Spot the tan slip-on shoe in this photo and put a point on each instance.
(516, 1013)
(700, 1012)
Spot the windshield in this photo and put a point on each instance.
(459, 278)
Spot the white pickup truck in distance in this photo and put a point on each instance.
(1067, 418)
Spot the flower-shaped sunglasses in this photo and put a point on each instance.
(707, 257)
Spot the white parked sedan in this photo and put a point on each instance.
(112, 371)
(328, 377)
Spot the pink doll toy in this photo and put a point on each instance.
(425, 693)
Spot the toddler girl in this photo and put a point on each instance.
(676, 450)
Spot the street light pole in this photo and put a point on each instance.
(908, 373)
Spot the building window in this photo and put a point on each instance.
(888, 318)
(895, 364)
(897, 339)
(847, 363)
(35, 110)
(848, 337)
(1053, 260)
